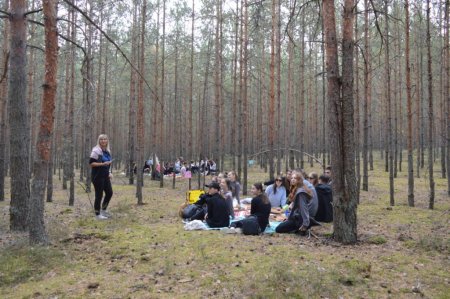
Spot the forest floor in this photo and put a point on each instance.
(144, 252)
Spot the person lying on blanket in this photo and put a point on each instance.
(218, 214)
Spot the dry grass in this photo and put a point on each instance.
(143, 252)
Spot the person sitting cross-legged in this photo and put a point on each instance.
(218, 214)
(303, 206)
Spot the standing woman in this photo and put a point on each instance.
(235, 186)
(100, 162)
(277, 192)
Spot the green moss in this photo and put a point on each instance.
(378, 240)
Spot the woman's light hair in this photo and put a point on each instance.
(103, 136)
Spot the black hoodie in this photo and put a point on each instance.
(325, 196)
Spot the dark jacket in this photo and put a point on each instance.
(218, 214)
(100, 156)
(260, 210)
(325, 196)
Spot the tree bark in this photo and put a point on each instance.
(3, 105)
(38, 234)
(340, 115)
(430, 112)
(140, 113)
(387, 70)
(132, 104)
(409, 108)
(18, 121)
(447, 89)
(272, 93)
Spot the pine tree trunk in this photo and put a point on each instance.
(387, 77)
(357, 112)
(409, 108)
(18, 121)
(272, 93)
(132, 107)
(430, 112)
(140, 113)
(340, 115)
(235, 85)
(447, 89)
(3, 105)
(38, 234)
(163, 70)
(245, 99)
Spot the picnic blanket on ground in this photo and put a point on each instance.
(199, 225)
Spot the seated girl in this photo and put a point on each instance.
(260, 208)
(303, 206)
(277, 192)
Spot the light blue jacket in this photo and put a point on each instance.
(277, 199)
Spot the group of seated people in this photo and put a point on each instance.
(306, 199)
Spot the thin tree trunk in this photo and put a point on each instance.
(70, 134)
(409, 108)
(390, 151)
(245, 98)
(430, 112)
(38, 234)
(163, 70)
(278, 80)
(191, 87)
(235, 100)
(140, 114)
(271, 115)
(132, 107)
(447, 88)
(18, 122)
(357, 112)
(3, 106)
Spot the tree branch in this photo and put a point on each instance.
(33, 11)
(118, 49)
(7, 14)
(61, 36)
(35, 47)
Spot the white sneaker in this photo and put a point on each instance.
(105, 213)
(101, 217)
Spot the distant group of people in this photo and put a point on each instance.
(307, 198)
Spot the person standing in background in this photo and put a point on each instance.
(100, 162)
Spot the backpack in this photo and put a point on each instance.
(250, 226)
